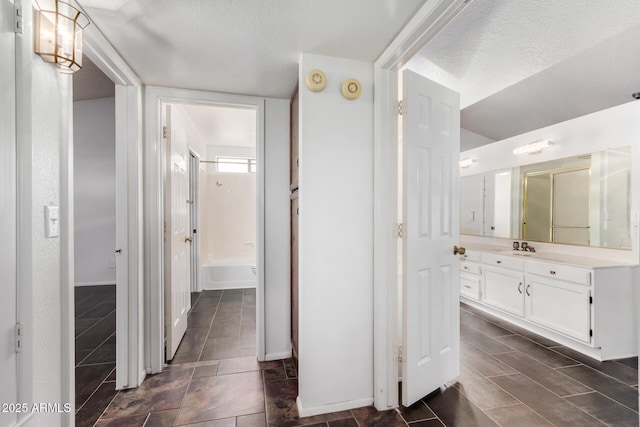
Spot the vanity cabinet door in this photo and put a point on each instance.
(504, 289)
(561, 306)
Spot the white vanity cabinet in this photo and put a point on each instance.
(589, 307)
(503, 289)
(563, 307)
(503, 282)
(470, 275)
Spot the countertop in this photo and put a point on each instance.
(574, 260)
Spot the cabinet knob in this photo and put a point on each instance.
(498, 262)
(552, 272)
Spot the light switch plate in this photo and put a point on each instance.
(51, 221)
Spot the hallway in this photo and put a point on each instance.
(509, 377)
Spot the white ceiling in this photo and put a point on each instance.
(596, 79)
(518, 64)
(224, 126)
(246, 47)
(523, 64)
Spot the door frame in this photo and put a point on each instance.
(194, 218)
(424, 25)
(154, 154)
(128, 137)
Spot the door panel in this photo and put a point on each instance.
(560, 306)
(121, 250)
(8, 225)
(504, 289)
(177, 243)
(430, 294)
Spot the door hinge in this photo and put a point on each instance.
(164, 131)
(401, 107)
(19, 337)
(399, 230)
(590, 332)
(398, 353)
(18, 23)
(590, 300)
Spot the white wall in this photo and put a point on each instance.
(43, 113)
(612, 128)
(228, 209)
(470, 140)
(94, 166)
(336, 239)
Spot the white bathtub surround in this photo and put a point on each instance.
(228, 216)
(229, 274)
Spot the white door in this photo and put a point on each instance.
(8, 203)
(121, 251)
(177, 236)
(430, 294)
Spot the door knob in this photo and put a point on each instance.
(188, 239)
(459, 250)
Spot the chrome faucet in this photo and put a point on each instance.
(527, 248)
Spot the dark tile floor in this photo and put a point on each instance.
(509, 377)
(95, 333)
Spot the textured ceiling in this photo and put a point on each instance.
(494, 44)
(524, 64)
(593, 80)
(91, 83)
(223, 126)
(246, 47)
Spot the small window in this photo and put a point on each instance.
(236, 165)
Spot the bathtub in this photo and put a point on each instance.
(229, 273)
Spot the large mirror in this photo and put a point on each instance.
(583, 200)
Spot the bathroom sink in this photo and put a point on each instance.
(517, 253)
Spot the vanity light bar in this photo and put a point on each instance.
(533, 147)
(466, 162)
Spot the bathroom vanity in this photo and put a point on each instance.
(586, 304)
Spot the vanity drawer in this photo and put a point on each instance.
(470, 267)
(470, 256)
(559, 272)
(498, 260)
(470, 286)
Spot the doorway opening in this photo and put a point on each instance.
(94, 200)
(219, 144)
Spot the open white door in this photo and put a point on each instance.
(8, 225)
(177, 236)
(121, 249)
(431, 322)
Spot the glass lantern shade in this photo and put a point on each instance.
(58, 37)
